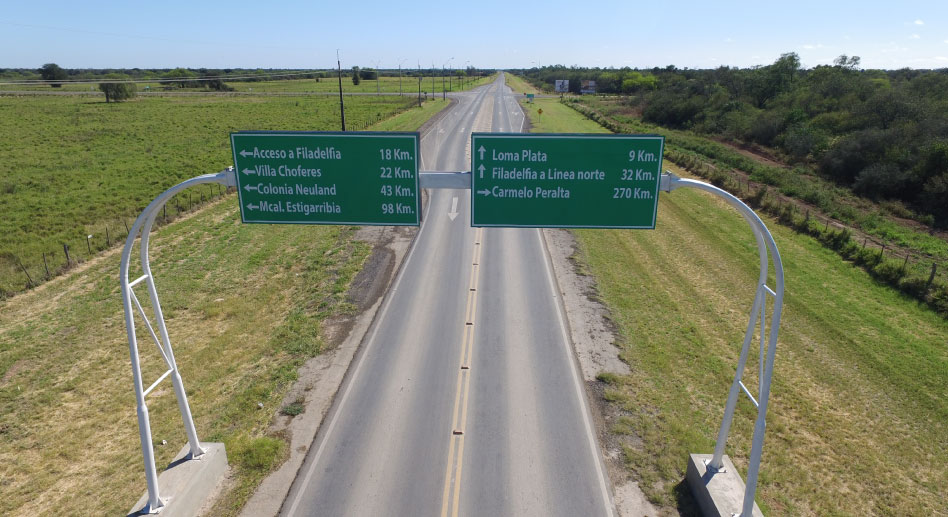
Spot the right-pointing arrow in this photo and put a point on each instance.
(484, 192)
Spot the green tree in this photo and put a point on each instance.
(182, 77)
(356, 79)
(52, 72)
(117, 90)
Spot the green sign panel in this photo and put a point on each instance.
(327, 178)
(565, 181)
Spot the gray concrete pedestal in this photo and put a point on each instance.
(720, 494)
(186, 484)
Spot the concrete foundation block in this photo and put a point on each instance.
(186, 484)
(720, 494)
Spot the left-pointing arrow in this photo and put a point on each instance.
(246, 153)
(250, 171)
(248, 188)
(252, 207)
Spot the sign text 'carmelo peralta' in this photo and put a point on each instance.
(327, 178)
(565, 181)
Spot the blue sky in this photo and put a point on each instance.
(490, 34)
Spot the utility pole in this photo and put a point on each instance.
(419, 84)
(400, 76)
(432, 80)
(378, 75)
(443, 94)
(342, 109)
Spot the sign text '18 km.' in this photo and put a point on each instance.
(565, 181)
(327, 178)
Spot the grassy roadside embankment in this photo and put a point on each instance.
(75, 166)
(860, 395)
(874, 236)
(244, 305)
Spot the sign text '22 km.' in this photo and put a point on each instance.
(327, 178)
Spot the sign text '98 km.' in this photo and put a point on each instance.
(327, 178)
(557, 180)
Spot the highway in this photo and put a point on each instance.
(465, 397)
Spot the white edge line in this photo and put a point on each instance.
(355, 373)
(580, 394)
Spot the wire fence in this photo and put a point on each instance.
(18, 272)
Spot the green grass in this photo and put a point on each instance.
(245, 305)
(76, 166)
(518, 85)
(385, 85)
(860, 393)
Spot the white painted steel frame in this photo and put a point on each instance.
(459, 180)
(143, 225)
(768, 347)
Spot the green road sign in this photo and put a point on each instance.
(565, 181)
(327, 178)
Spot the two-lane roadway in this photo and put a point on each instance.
(465, 398)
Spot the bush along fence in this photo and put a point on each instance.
(19, 273)
(915, 274)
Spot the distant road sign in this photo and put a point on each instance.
(562, 86)
(327, 178)
(587, 87)
(565, 181)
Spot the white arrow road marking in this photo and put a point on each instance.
(454, 208)
(482, 151)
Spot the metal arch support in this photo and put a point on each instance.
(768, 348)
(143, 225)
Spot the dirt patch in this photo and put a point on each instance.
(320, 377)
(593, 336)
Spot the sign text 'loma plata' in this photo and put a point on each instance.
(327, 178)
(557, 180)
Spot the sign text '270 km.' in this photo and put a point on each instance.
(556, 180)
(327, 178)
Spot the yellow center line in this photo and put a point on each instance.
(452, 478)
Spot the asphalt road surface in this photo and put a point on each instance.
(465, 399)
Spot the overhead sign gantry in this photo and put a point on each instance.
(559, 181)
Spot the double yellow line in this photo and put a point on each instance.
(452, 478)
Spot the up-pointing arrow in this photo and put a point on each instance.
(246, 153)
(482, 151)
(481, 169)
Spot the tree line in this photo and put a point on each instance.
(883, 133)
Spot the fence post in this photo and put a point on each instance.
(126, 226)
(108, 239)
(66, 251)
(28, 277)
(931, 277)
(905, 262)
(46, 266)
